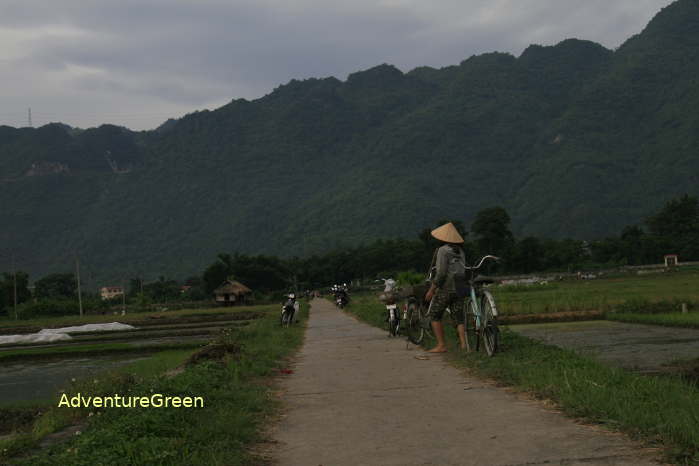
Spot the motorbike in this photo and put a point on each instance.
(289, 309)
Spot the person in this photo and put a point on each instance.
(291, 305)
(449, 260)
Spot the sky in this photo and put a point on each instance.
(137, 63)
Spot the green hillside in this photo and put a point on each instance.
(573, 140)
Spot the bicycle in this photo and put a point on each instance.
(480, 315)
(418, 323)
(389, 298)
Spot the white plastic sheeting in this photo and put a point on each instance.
(49, 335)
(34, 338)
(90, 328)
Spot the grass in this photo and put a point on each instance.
(237, 403)
(68, 321)
(660, 410)
(599, 294)
(674, 319)
(92, 350)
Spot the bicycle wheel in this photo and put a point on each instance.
(490, 324)
(472, 335)
(416, 333)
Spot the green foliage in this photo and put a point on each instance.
(645, 306)
(53, 307)
(492, 229)
(7, 291)
(56, 285)
(410, 278)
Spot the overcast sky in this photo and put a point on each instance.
(138, 62)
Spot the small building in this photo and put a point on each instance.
(111, 292)
(671, 260)
(233, 293)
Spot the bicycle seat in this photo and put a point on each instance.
(483, 280)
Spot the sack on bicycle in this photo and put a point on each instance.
(456, 272)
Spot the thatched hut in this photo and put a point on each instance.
(233, 293)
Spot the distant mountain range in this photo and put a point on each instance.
(573, 140)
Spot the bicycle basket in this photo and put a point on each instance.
(415, 290)
(388, 297)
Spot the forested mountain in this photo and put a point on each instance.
(572, 139)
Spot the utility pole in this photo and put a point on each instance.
(123, 297)
(80, 297)
(29, 119)
(14, 273)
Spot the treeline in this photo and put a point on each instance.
(672, 230)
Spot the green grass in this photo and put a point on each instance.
(107, 348)
(237, 398)
(660, 410)
(68, 321)
(675, 319)
(599, 294)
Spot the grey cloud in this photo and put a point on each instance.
(187, 54)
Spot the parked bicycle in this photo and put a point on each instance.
(390, 297)
(480, 315)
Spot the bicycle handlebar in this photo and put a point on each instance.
(495, 258)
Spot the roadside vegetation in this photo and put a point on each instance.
(675, 319)
(232, 375)
(661, 410)
(156, 317)
(661, 292)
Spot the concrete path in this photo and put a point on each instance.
(359, 398)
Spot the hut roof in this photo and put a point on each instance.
(232, 287)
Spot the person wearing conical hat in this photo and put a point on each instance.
(449, 263)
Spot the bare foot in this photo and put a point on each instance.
(438, 349)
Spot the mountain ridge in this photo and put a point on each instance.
(572, 139)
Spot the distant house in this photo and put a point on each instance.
(110, 292)
(671, 260)
(233, 293)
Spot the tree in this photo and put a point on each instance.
(217, 273)
(57, 285)
(7, 291)
(492, 228)
(676, 227)
(528, 256)
(679, 218)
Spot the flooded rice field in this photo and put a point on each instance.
(37, 380)
(642, 348)
(25, 377)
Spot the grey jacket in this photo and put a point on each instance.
(450, 260)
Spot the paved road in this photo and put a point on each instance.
(359, 398)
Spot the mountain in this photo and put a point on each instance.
(572, 139)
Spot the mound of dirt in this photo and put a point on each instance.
(214, 352)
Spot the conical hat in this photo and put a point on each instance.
(448, 234)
